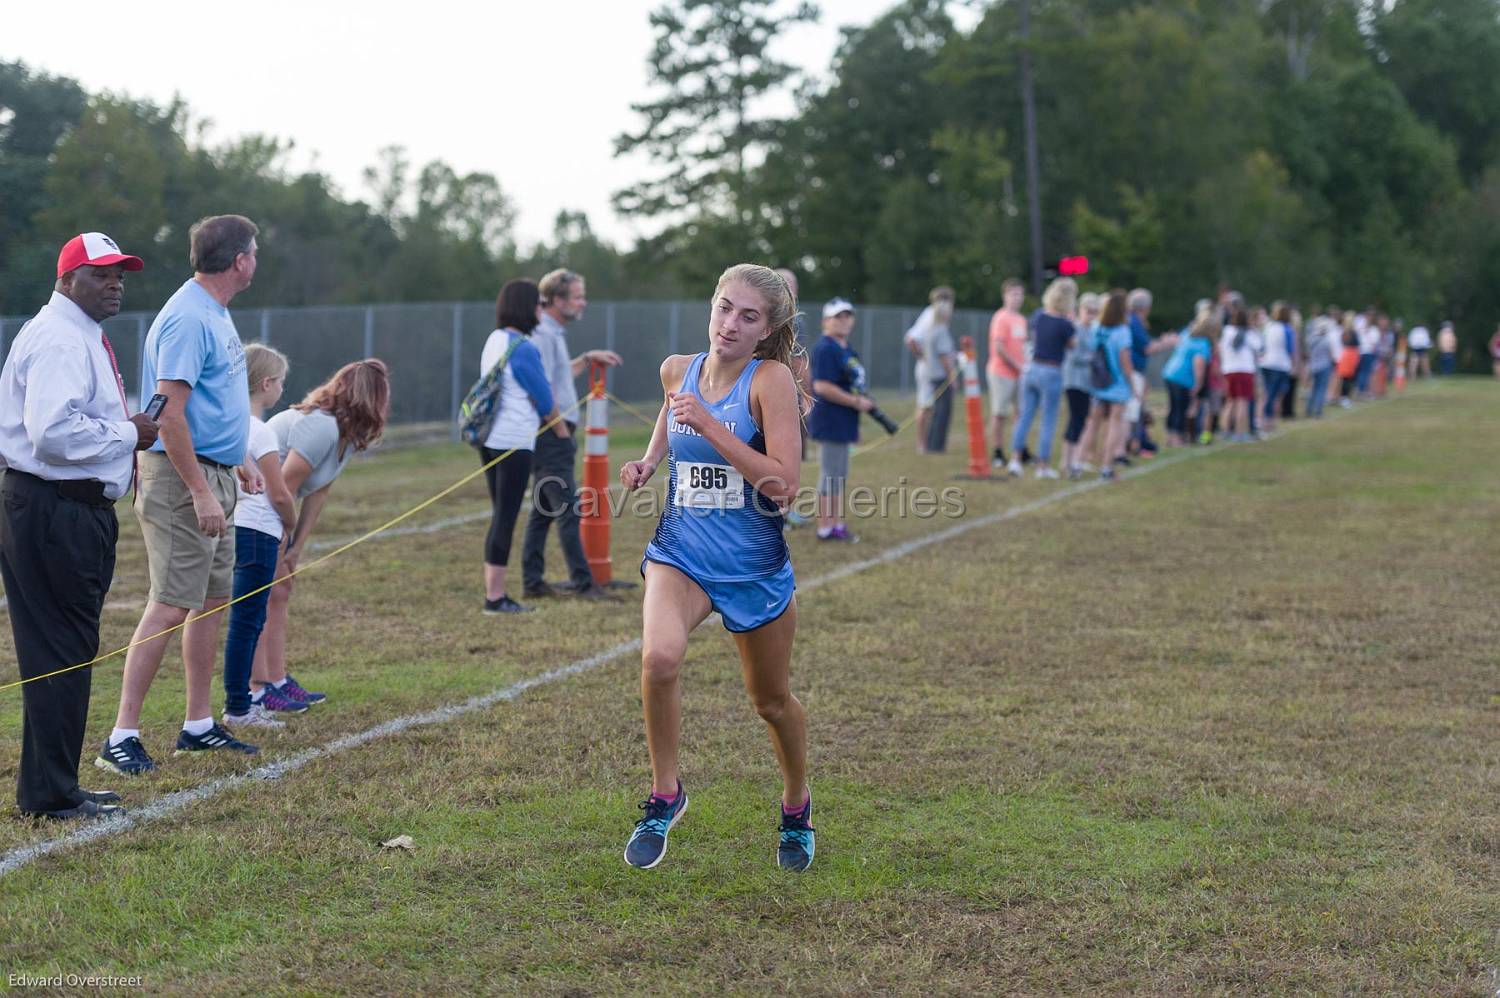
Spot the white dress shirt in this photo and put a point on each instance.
(62, 411)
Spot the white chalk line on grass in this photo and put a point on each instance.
(171, 803)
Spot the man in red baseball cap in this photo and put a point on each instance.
(95, 249)
(67, 450)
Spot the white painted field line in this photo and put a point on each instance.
(179, 800)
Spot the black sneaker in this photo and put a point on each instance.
(795, 847)
(128, 758)
(538, 590)
(216, 737)
(504, 605)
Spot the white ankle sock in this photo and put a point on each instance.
(120, 734)
(280, 683)
(256, 696)
(198, 727)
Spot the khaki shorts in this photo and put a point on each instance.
(924, 387)
(1002, 395)
(187, 568)
(1137, 388)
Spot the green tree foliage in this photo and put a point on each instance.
(1319, 150)
(36, 111)
(711, 61)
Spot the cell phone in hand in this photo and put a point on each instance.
(155, 406)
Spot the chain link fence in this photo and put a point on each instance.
(433, 349)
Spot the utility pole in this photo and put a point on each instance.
(1033, 168)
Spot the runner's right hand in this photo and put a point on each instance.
(634, 474)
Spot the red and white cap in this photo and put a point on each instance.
(96, 250)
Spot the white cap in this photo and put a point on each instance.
(837, 306)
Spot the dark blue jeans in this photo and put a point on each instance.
(254, 566)
(1364, 372)
(1318, 395)
(1277, 383)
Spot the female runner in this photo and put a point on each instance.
(730, 428)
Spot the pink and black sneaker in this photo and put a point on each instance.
(280, 701)
(294, 689)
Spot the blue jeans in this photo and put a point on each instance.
(1041, 386)
(1319, 391)
(1277, 383)
(1363, 373)
(254, 566)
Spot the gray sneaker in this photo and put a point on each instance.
(257, 717)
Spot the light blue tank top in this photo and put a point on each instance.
(717, 526)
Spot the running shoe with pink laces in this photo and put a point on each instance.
(281, 701)
(294, 689)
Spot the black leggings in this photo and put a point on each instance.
(1179, 400)
(507, 481)
(1078, 413)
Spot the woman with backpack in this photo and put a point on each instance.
(522, 400)
(1110, 375)
(1077, 388)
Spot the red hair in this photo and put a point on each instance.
(358, 396)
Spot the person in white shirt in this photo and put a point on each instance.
(67, 453)
(526, 402)
(262, 522)
(1418, 345)
(1278, 358)
(936, 315)
(1237, 360)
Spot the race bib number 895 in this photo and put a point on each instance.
(709, 486)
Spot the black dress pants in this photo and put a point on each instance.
(57, 558)
(941, 417)
(554, 498)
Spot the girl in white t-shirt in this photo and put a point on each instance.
(261, 520)
(1238, 352)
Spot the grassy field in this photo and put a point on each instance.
(1228, 726)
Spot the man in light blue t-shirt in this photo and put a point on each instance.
(187, 492)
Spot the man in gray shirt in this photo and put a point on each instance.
(940, 358)
(554, 488)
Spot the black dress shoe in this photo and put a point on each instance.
(88, 809)
(539, 590)
(595, 592)
(102, 796)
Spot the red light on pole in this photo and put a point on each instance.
(1073, 266)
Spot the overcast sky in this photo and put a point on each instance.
(344, 79)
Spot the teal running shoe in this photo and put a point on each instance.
(648, 843)
(794, 851)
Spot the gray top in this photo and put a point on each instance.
(314, 435)
(937, 343)
(1078, 360)
(550, 338)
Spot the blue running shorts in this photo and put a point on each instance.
(744, 606)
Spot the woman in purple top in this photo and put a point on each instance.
(1041, 382)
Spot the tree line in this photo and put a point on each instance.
(1326, 151)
